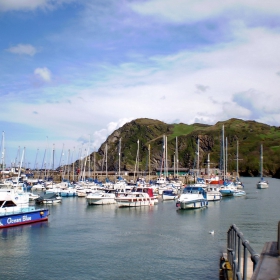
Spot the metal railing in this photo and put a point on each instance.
(278, 239)
(236, 245)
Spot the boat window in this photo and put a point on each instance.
(9, 203)
(1, 202)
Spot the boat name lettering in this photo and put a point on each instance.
(18, 220)
(26, 218)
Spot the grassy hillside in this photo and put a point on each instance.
(249, 134)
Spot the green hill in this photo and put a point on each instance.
(249, 134)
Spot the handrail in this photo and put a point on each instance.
(235, 239)
(278, 239)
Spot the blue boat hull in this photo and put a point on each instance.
(17, 219)
(67, 194)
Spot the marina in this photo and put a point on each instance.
(81, 241)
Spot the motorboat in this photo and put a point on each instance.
(193, 197)
(38, 187)
(239, 184)
(239, 193)
(136, 199)
(214, 180)
(15, 209)
(228, 189)
(213, 193)
(33, 196)
(101, 198)
(69, 192)
(169, 195)
(49, 198)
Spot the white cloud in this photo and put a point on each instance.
(193, 10)
(100, 136)
(43, 73)
(228, 71)
(22, 4)
(23, 49)
(30, 5)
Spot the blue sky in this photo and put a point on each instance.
(74, 71)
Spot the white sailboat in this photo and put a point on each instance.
(262, 184)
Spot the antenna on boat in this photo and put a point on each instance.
(3, 153)
(22, 157)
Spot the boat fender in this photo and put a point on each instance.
(41, 213)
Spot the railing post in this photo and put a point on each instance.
(278, 239)
(228, 243)
(245, 260)
(239, 254)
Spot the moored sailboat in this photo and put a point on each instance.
(262, 184)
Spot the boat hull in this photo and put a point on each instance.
(227, 192)
(101, 201)
(239, 193)
(262, 185)
(68, 194)
(17, 219)
(169, 197)
(51, 201)
(195, 204)
(214, 196)
(134, 202)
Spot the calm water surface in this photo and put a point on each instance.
(159, 242)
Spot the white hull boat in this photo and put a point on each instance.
(101, 198)
(213, 194)
(262, 184)
(228, 190)
(169, 195)
(136, 199)
(192, 198)
(239, 193)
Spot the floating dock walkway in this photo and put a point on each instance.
(241, 262)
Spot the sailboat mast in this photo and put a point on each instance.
(89, 157)
(261, 164)
(136, 162)
(177, 159)
(166, 163)
(226, 156)
(223, 147)
(197, 164)
(3, 153)
(120, 144)
(53, 158)
(106, 158)
(19, 171)
(35, 162)
(149, 160)
(73, 166)
(208, 165)
(237, 159)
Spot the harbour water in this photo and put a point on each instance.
(158, 242)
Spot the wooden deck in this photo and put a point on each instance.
(268, 267)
